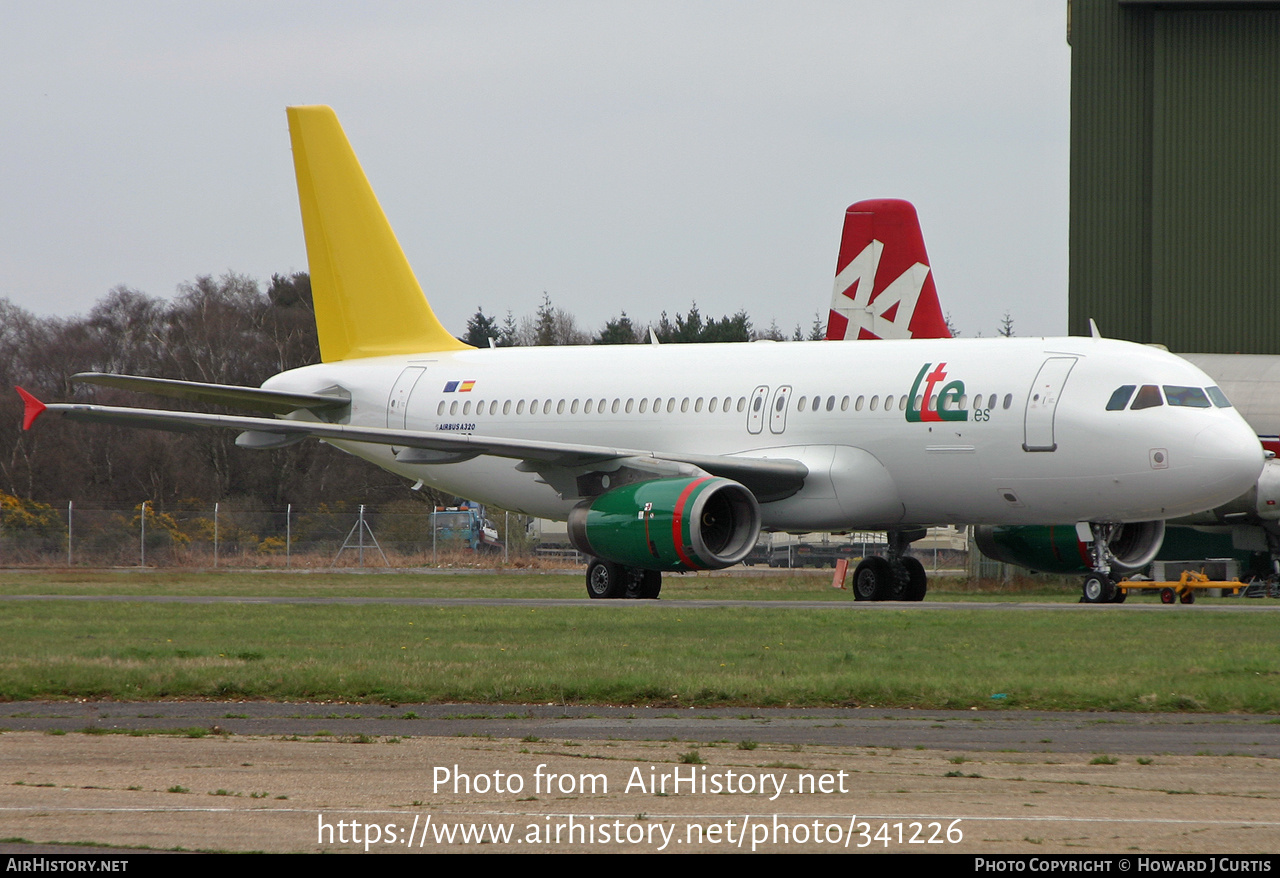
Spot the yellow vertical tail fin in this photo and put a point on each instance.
(368, 302)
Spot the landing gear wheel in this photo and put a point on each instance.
(606, 579)
(1098, 589)
(1121, 596)
(1187, 597)
(918, 580)
(872, 580)
(1167, 596)
(650, 584)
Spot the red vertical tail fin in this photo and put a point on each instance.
(884, 286)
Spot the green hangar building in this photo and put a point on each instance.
(1175, 172)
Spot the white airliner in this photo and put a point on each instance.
(885, 289)
(674, 457)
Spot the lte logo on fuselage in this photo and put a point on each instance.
(948, 406)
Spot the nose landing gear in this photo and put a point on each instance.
(1099, 587)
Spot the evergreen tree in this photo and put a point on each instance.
(773, 333)
(693, 328)
(480, 329)
(510, 335)
(618, 331)
(545, 322)
(818, 331)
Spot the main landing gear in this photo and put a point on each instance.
(607, 580)
(895, 577)
(1099, 587)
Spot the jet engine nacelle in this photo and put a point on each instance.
(1058, 549)
(701, 523)
(1258, 505)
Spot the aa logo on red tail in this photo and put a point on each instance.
(884, 287)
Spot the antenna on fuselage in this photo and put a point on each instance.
(1093, 329)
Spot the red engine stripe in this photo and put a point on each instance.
(678, 519)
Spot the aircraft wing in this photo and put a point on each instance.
(767, 478)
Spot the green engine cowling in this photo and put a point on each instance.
(701, 523)
(1057, 548)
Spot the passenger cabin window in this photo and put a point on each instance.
(1148, 397)
(1120, 398)
(1193, 397)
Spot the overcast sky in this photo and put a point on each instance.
(619, 156)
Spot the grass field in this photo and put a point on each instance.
(754, 585)
(637, 653)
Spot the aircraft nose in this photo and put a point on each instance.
(1229, 458)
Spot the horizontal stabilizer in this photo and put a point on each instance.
(31, 408)
(271, 402)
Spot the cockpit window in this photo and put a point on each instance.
(1148, 397)
(1120, 398)
(1188, 396)
(1219, 398)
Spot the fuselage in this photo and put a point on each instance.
(894, 433)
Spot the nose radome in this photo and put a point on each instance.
(1229, 458)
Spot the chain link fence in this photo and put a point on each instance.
(403, 534)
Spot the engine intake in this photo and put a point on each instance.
(701, 523)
